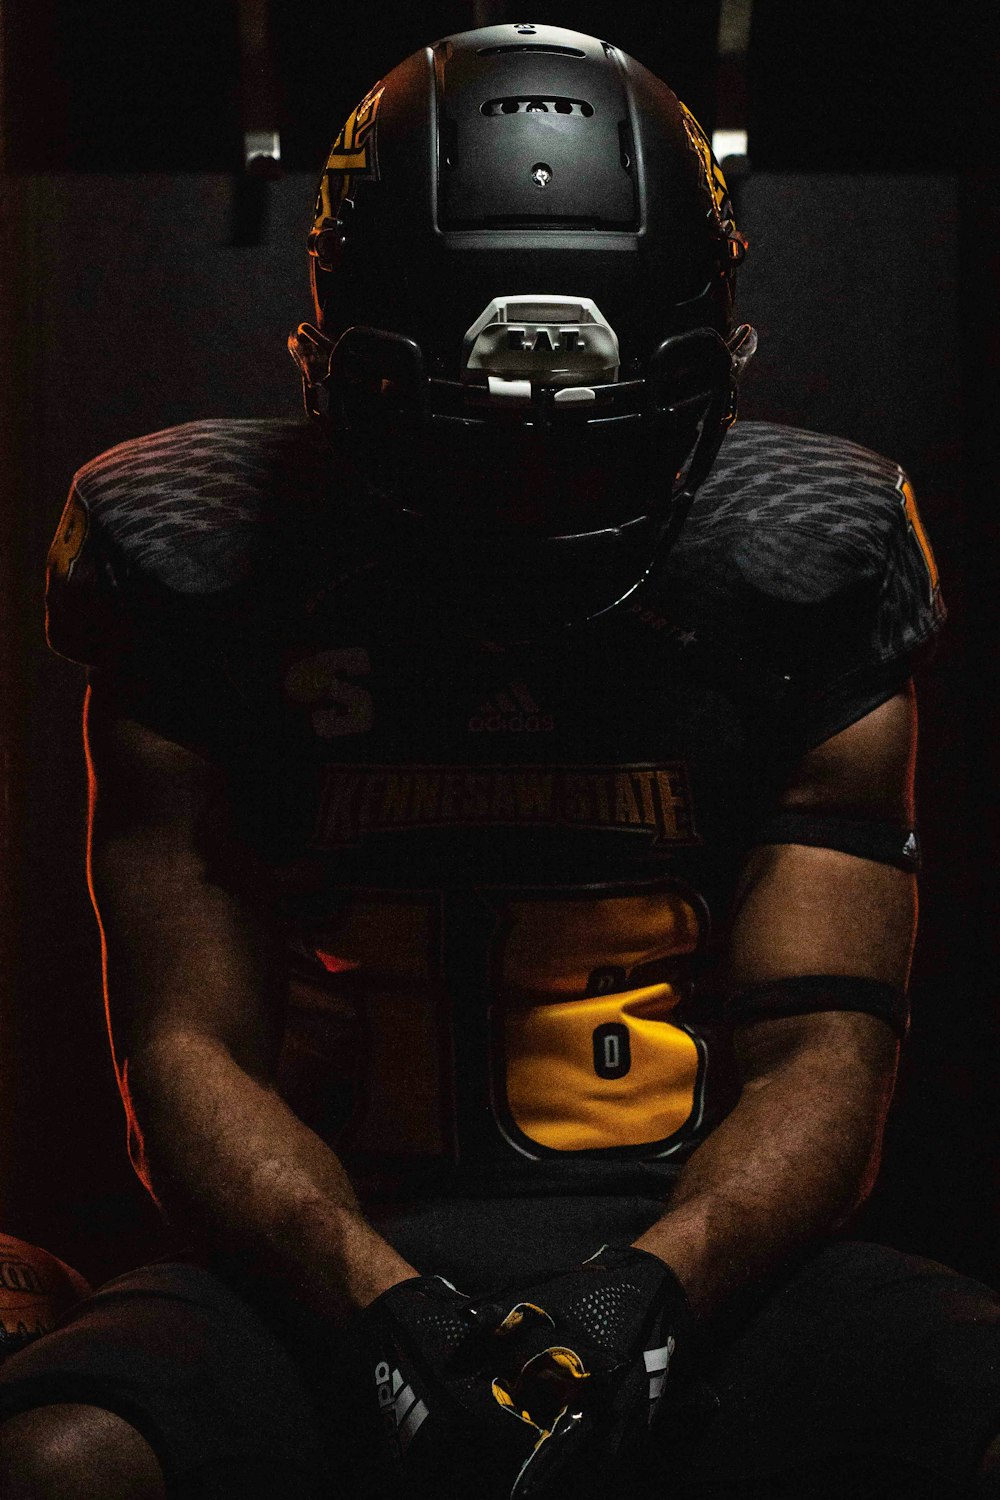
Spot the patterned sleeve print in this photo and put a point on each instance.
(813, 547)
(177, 509)
(802, 518)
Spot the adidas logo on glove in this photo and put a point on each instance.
(402, 1412)
(657, 1362)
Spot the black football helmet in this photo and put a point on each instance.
(522, 258)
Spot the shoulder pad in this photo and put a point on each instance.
(801, 512)
(179, 511)
(805, 561)
(804, 519)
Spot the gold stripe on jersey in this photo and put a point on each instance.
(919, 535)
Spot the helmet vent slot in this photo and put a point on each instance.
(536, 104)
(531, 47)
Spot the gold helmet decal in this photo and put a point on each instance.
(353, 159)
(722, 209)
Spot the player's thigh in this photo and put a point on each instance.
(72, 1452)
(195, 1371)
(866, 1371)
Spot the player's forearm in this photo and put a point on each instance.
(796, 1155)
(230, 1164)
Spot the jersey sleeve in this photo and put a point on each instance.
(163, 524)
(84, 620)
(162, 542)
(806, 561)
(155, 660)
(883, 619)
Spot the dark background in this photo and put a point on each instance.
(148, 279)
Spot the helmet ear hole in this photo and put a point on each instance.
(327, 245)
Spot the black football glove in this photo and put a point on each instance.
(589, 1361)
(530, 1393)
(415, 1409)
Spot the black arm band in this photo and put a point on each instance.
(878, 839)
(807, 993)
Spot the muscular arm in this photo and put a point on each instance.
(801, 1148)
(194, 988)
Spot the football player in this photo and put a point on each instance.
(503, 843)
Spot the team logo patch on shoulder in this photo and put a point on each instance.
(70, 538)
(353, 158)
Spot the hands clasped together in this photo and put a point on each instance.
(515, 1396)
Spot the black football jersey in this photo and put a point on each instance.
(506, 869)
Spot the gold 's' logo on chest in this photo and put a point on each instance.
(359, 800)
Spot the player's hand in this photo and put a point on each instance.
(415, 1402)
(590, 1365)
(520, 1396)
(35, 1290)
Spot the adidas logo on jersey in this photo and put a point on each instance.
(512, 711)
(403, 1413)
